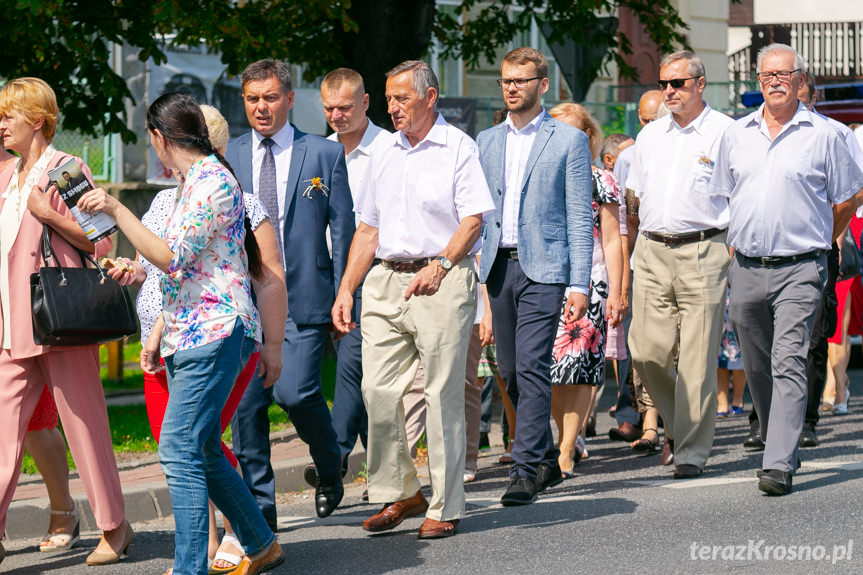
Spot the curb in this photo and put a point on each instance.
(29, 518)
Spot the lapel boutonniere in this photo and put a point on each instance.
(315, 184)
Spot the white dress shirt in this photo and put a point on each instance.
(284, 144)
(358, 161)
(417, 196)
(781, 191)
(518, 145)
(670, 174)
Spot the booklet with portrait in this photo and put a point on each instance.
(72, 184)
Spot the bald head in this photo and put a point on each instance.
(648, 105)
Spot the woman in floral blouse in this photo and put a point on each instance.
(211, 329)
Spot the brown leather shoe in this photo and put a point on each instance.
(687, 471)
(394, 513)
(433, 529)
(624, 432)
(667, 452)
(264, 561)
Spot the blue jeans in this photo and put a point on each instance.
(199, 381)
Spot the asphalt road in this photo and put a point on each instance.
(621, 514)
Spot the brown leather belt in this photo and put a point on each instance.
(773, 261)
(406, 266)
(672, 240)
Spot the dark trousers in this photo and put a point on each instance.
(349, 412)
(624, 412)
(525, 316)
(298, 391)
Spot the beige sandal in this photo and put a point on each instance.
(62, 541)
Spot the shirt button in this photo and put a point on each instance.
(497, 224)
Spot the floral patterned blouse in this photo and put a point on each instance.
(207, 288)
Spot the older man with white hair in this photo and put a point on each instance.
(791, 184)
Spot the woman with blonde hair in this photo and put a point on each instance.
(579, 348)
(28, 120)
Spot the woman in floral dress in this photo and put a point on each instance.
(579, 348)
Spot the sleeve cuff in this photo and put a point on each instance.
(584, 290)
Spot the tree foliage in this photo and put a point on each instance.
(68, 43)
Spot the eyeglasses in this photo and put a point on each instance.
(677, 83)
(781, 75)
(520, 83)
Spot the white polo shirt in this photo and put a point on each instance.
(358, 160)
(670, 174)
(417, 196)
(781, 192)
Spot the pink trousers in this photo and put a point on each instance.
(73, 376)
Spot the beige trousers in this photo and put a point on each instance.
(415, 405)
(397, 336)
(687, 283)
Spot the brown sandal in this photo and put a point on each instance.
(647, 445)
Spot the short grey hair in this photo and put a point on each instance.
(424, 77)
(696, 65)
(266, 69)
(799, 64)
(611, 145)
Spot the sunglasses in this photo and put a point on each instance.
(677, 83)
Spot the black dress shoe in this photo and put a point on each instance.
(624, 432)
(547, 476)
(754, 442)
(775, 482)
(590, 428)
(808, 437)
(520, 492)
(328, 495)
(687, 471)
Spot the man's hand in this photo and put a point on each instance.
(576, 306)
(486, 336)
(270, 363)
(427, 281)
(342, 313)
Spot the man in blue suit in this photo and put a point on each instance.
(537, 243)
(302, 181)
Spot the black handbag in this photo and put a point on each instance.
(849, 256)
(78, 306)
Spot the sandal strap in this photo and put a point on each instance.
(68, 513)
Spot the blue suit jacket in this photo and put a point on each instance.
(311, 275)
(555, 219)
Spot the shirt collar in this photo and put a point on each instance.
(368, 137)
(695, 124)
(284, 138)
(436, 135)
(801, 116)
(530, 127)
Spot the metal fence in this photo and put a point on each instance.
(95, 151)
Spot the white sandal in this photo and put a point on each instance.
(225, 556)
(62, 541)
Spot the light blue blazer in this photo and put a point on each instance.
(555, 219)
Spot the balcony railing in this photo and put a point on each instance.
(832, 51)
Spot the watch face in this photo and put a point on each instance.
(445, 263)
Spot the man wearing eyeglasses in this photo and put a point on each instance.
(792, 186)
(679, 264)
(537, 243)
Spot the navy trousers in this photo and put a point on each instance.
(524, 317)
(349, 412)
(298, 391)
(625, 412)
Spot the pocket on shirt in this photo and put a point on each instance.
(795, 164)
(433, 192)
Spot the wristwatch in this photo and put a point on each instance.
(445, 263)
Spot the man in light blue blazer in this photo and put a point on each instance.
(537, 243)
(302, 180)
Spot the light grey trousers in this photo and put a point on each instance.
(772, 310)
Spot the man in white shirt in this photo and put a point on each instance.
(421, 214)
(679, 266)
(792, 186)
(345, 102)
